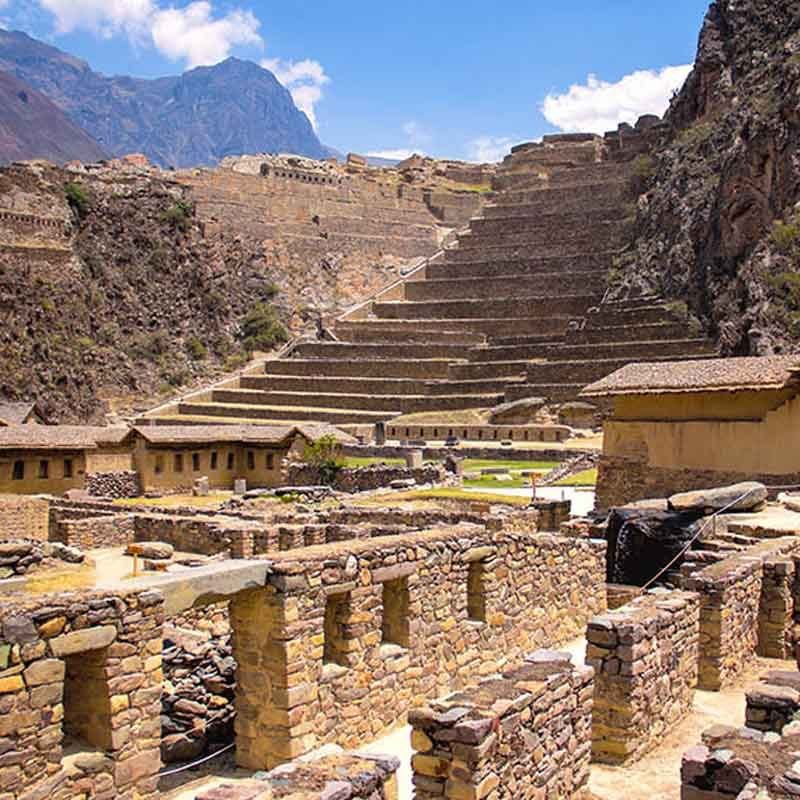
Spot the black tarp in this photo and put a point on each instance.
(641, 542)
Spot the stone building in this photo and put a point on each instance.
(51, 459)
(677, 426)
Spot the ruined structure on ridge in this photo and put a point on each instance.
(514, 309)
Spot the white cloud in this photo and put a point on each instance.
(193, 35)
(417, 134)
(3, 3)
(304, 79)
(400, 154)
(489, 149)
(102, 17)
(599, 106)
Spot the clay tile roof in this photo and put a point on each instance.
(704, 375)
(59, 437)
(16, 413)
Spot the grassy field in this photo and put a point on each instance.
(586, 478)
(358, 461)
(455, 494)
(477, 464)
(177, 500)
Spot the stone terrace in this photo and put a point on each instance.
(510, 311)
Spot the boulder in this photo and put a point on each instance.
(69, 554)
(579, 415)
(180, 747)
(156, 551)
(518, 412)
(201, 487)
(739, 497)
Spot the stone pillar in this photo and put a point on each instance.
(776, 609)
(414, 459)
(380, 434)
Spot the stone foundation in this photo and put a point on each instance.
(775, 702)
(645, 657)
(347, 637)
(362, 479)
(85, 669)
(523, 734)
(97, 532)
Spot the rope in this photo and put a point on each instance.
(196, 763)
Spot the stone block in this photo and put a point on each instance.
(83, 641)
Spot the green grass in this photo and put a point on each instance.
(459, 494)
(363, 461)
(475, 464)
(488, 483)
(586, 478)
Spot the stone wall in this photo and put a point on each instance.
(776, 611)
(347, 637)
(645, 657)
(113, 484)
(334, 777)
(23, 517)
(362, 479)
(212, 620)
(83, 668)
(96, 532)
(774, 702)
(204, 535)
(526, 733)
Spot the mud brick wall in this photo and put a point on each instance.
(347, 637)
(23, 517)
(97, 532)
(645, 657)
(776, 611)
(113, 484)
(524, 734)
(355, 777)
(88, 665)
(730, 597)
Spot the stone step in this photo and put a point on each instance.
(545, 154)
(625, 333)
(526, 202)
(517, 352)
(551, 223)
(240, 411)
(594, 234)
(634, 350)
(383, 330)
(427, 369)
(323, 385)
(489, 327)
(515, 341)
(565, 177)
(586, 371)
(486, 371)
(515, 251)
(377, 351)
(505, 286)
(567, 305)
(453, 266)
(555, 392)
(631, 316)
(497, 385)
(406, 404)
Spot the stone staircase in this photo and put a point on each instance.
(514, 309)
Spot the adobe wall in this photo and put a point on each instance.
(347, 637)
(24, 517)
(645, 657)
(87, 665)
(526, 733)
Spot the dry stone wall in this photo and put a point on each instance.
(96, 532)
(23, 517)
(347, 637)
(362, 479)
(83, 668)
(526, 733)
(645, 657)
(115, 485)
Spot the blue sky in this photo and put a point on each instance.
(457, 79)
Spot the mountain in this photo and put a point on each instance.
(31, 126)
(192, 119)
(719, 227)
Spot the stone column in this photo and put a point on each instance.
(776, 609)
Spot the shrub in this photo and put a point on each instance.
(236, 361)
(149, 345)
(785, 235)
(77, 198)
(179, 214)
(644, 166)
(196, 349)
(325, 454)
(261, 329)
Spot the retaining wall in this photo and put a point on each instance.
(23, 517)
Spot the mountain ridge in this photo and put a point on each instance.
(192, 119)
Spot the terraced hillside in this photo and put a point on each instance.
(513, 310)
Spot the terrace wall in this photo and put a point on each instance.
(645, 657)
(347, 637)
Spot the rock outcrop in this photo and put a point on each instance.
(719, 228)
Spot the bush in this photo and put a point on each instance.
(179, 214)
(325, 454)
(149, 345)
(196, 349)
(644, 166)
(261, 329)
(236, 361)
(77, 198)
(785, 235)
